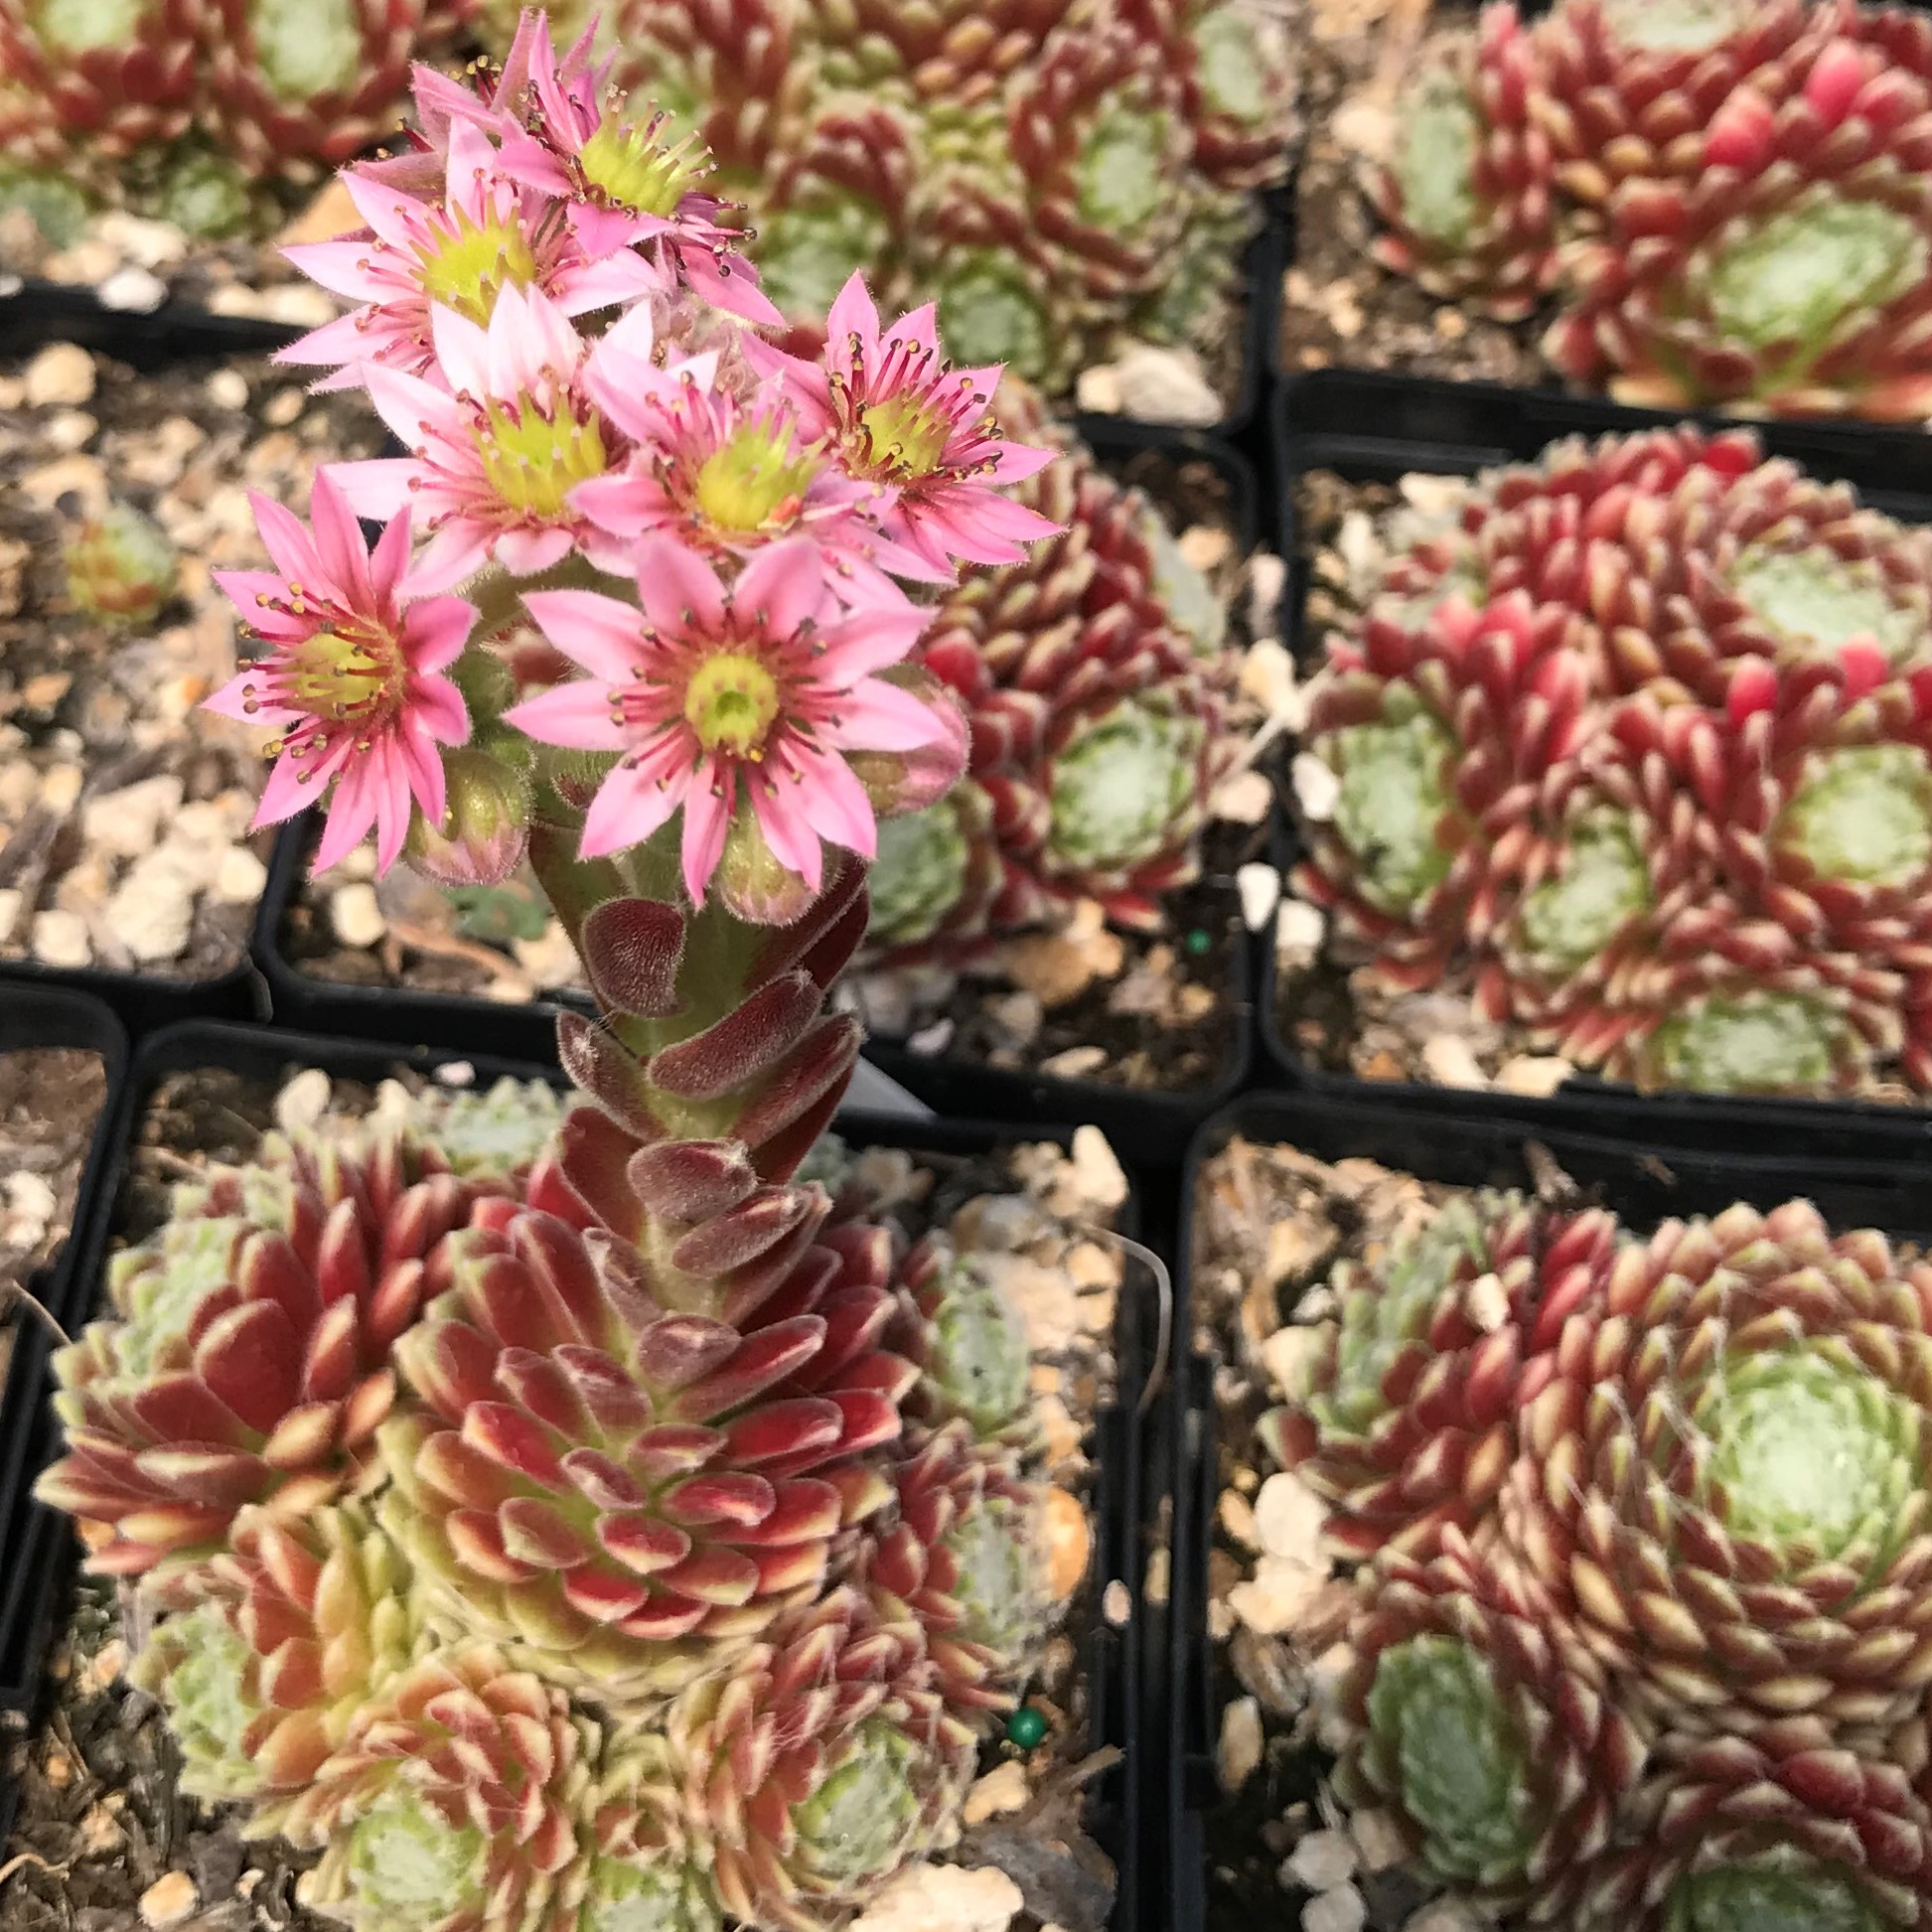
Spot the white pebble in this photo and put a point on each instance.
(169, 1901)
(60, 939)
(1323, 1861)
(1267, 579)
(1117, 1605)
(1242, 799)
(1166, 386)
(127, 824)
(1288, 1516)
(241, 877)
(1096, 1172)
(11, 901)
(133, 291)
(70, 430)
(60, 788)
(943, 1898)
(1378, 1839)
(152, 909)
(354, 915)
(1097, 390)
(1239, 1749)
(1341, 1910)
(302, 1102)
(1004, 1789)
(1452, 1062)
(1539, 1075)
(454, 1073)
(1259, 886)
(1446, 1915)
(1299, 929)
(227, 388)
(61, 375)
(1316, 787)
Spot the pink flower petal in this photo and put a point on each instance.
(834, 801)
(876, 716)
(352, 813)
(437, 706)
(390, 559)
(854, 313)
(378, 488)
(786, 831)
(339, 543)
(786, 583)
(576, 714)
(342, 267)
(634, 800)
(388, 781)
(435, 632)
(868, 640)
(708, 802)
(452, 553)
(288, 545)
(462, 355)
(678, 589)
(595, 632)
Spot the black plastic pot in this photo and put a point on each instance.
(38, 1556)
(1643, 1185)
(1147, 1126)
(41, 313)
(1379, 428)
(38, 1017)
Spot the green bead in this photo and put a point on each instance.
(1198, 942)
(1026, 1727)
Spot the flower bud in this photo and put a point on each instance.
(485, 820)
(898, 781)
(751, 880)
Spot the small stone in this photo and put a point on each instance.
(283, 407)
(1069, 1541)
(355, 917)
(11, 901)
(1004, 1788)
(1259, 886)
(1237, 1515)
(1018, 1015)
(133, 291)
(1289, 1516)
(60, 788)
(1075, 1063)
(551, 961)
(169, 1901)
(1340, 1910)
(1097, 390)
(1323, 1861)
(152, 911)
(943, 1898)
(1287, 1354)
(227, 388)
(1316, 787)
(1277, 1598)
(241, 877)
(70, 430)
(61, 375)
(302, 1102)
(1117, 1605)
(1299, 929)
(1098, 1175)
(1268, 581)
(1450, 1062)
(60, 939)
(1534, 1073)
(43, 692)
(1446, 1915)
(79, 475)
(1166, 386)
(1240, 1749)
(1243, 799)
(127, 824)
(1059, 1430)
(1205, 546)
(1378, 1839)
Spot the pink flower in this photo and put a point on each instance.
(485, 234)
(726, 477)
(351, 679)
(499, 444)
(901, 416)
(624, 185)
(766, 683)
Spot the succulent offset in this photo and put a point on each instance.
(555, 1516)
(1725, 201)
(1667, 1665)
(1638, 753)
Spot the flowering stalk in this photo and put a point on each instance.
(572, 1541)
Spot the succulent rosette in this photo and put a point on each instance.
(113, 78)
(301, 1624)
(1782, 266)
(121, 565)
(962, 1330)
(456, 1801)
(251, 1357)
(820, 1763)
(621, 1489)
(1466, 193)
(1405, 1420)
(1723, 1481)
(1483, 1731)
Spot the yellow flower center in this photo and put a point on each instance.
(532, 461)
(730, 704)
(753, 479)
(469, 267)
(626, 164)
(347, 678)
(905, 433)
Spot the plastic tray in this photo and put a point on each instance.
(1378, 428)
(1147, 1126)
(38, 1017)
(37, 1556)
(38, 314)
(1643, 1185)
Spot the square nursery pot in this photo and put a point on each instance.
(1187, 1676)
(1370, 428)
(168, 344)
(37, 1021)
(1143, 1125)
(37, 1548)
